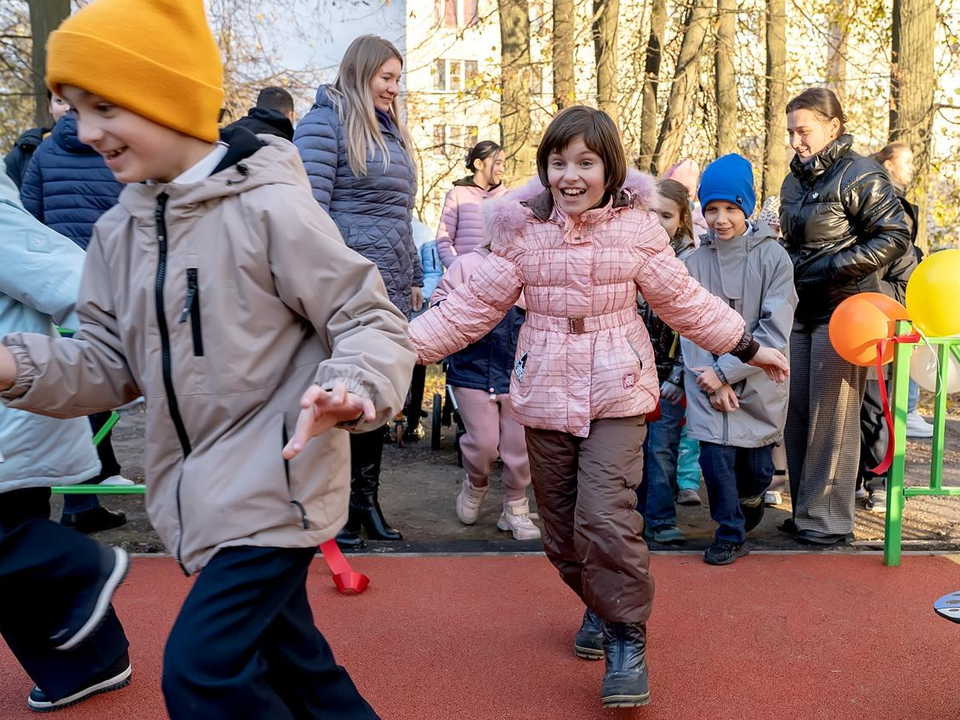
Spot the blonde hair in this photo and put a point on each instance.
(350, 93)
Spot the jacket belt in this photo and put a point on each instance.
(579, 325)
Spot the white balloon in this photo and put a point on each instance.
(924, 368)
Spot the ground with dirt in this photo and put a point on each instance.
(420, 485)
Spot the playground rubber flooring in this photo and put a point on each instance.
(489, 637)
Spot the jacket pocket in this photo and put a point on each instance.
(191, 309)
(636, 354)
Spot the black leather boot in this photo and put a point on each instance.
(366, 453)
(588, 643)
(625, 683)
(349, 540)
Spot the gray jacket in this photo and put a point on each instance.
(373, 212)
(40, 274)
(754, 274)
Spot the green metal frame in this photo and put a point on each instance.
(896, 492)
(100, 489)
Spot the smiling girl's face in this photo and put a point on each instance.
(576, 177)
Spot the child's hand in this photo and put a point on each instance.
(772, 362)
(671, 392)
(8, 369)
(725, 399)
(707, 379)
(416, 298)
(323, 410)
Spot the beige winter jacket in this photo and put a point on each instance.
(221, 302)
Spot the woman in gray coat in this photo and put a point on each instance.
(356, 152)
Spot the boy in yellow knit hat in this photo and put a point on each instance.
(221, 292)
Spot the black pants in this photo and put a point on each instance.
(245, 646)
(413, 411)
(874, 437)
(42, 567)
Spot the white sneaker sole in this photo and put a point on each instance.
(103, 601)
(505, 527)
(115, 683)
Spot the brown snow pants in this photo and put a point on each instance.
(586, 496)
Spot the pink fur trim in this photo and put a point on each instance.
(504, 216)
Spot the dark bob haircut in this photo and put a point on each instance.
(599, 133)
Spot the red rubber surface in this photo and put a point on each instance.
(484, 638)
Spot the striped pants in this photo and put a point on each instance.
(823, 432)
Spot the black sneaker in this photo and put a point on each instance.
(91, 521)
(724, 553)
(113, 678)
(90, 606)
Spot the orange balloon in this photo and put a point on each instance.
(859, 322)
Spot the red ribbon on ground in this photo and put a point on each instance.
(885, 399)
(345, 577)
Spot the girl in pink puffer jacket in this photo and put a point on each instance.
(579, 243)
(461, 228)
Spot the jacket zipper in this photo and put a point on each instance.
(191, 308)
(167, 364)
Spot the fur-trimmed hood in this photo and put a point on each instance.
(505, 216)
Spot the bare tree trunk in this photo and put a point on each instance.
(912, 88)
(726, 87)
(606, 17)
(775, 119)
(651, 81)
(837, 34)
(45, 17)
(515, 86)
(676, 118)
(564, 87)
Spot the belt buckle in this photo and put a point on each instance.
(575, 326)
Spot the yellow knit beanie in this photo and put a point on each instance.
(156, 58)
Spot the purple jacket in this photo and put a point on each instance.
(461, 229)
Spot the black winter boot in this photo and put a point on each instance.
(366, 451)
(588, 643)
(625, 683)
(349, 540)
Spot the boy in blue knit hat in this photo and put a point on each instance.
(735, 412)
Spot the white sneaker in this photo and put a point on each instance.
(862, 493)
(116, 480)
(516, 519)
(469, 501)
(918, 427)
(772, 497)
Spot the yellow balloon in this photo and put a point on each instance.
(933, 294)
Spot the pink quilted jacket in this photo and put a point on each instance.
(583, 352)
(461, 227)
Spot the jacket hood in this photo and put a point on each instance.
(273, 118)
(732, 255)
(32, 137)
(468, 182)
(65, 135)
(323, 97)
(274, 162)
(822, 161)
(505, 216)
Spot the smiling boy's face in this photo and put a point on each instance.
(133, 147)
(725, 219)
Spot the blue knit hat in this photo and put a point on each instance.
(730, 179)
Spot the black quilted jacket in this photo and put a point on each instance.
(843, 223)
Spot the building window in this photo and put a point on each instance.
(454, 75)
(456, 13)
(454, 140)
(440, 75)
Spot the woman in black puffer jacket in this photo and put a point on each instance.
(843, 224)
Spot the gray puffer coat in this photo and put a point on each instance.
(373, 212)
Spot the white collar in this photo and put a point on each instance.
(205, 167)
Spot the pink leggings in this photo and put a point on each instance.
(492, 432)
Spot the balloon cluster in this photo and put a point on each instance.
(933, 305)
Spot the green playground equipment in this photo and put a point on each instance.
(896, 492)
